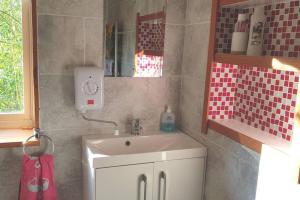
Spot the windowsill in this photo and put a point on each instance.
(10, 138)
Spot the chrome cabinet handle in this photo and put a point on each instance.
(162, 175)
(143, 178)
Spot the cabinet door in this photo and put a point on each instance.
(179, 179)
(133, 182)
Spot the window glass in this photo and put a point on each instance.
(11, 57)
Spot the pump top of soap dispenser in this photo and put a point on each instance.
(169, 110)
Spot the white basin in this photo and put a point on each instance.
(108, 150)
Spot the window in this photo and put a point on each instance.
(17, 64)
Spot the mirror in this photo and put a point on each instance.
(134, 38)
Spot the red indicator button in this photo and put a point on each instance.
(90, 102)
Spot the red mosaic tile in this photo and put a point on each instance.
(263, 102)
(222, 90)
(150, 44)
(148, 65)
(260, 97)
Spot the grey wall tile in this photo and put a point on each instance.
(71, 190)
(228, 175)
(60, 44)
(128, 98)
(86, 8)
(57, 103)
(173, 50)
(176, 12)
(68, 155)
(244, 153)
(10, 167)
(195, 50)
(161, 93)
(93, 42)
(10, 192)
(191, 123)
(192, 95)
(124, 97)
(221, 175)
(198, 11)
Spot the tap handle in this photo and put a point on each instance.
(137, 121)
(136, 127)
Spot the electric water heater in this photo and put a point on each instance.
(88, 88)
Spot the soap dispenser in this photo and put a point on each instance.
(167, 121)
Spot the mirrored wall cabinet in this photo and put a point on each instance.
(252, 86)
(134, 38)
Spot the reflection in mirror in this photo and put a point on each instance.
(134, 38)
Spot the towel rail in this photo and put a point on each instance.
(38, 135)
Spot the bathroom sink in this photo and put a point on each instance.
(108, 150)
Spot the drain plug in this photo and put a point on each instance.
(127, 143)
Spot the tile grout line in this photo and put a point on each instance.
(84, 40)
(61, 15)
(175, 24)
(197, 23)
(55, 74)
(181, 91)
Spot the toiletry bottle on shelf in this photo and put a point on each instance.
(240, 35)
(255, 45)
(167, 121)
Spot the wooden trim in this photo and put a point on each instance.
(28, 118)
(18, 144)
(210, 59)
(16, 123)
(228, 2)
(27, 64)
(283, 63)
(35, 66)
(151, 53)
(16, 138)
(236, 136)
(137, 32)
(152, 16)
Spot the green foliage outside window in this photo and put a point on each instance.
(11, 57)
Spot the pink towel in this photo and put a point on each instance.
(37, 181)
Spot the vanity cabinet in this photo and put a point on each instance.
(150, 167)
(165, 180)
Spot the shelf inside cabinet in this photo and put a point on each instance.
(246, 135)
(246, 3)
(279, 63)
(230, 2)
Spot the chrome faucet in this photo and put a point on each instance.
(136, 127)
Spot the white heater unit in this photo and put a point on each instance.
(88, 88)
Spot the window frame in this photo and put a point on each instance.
(28, 119)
